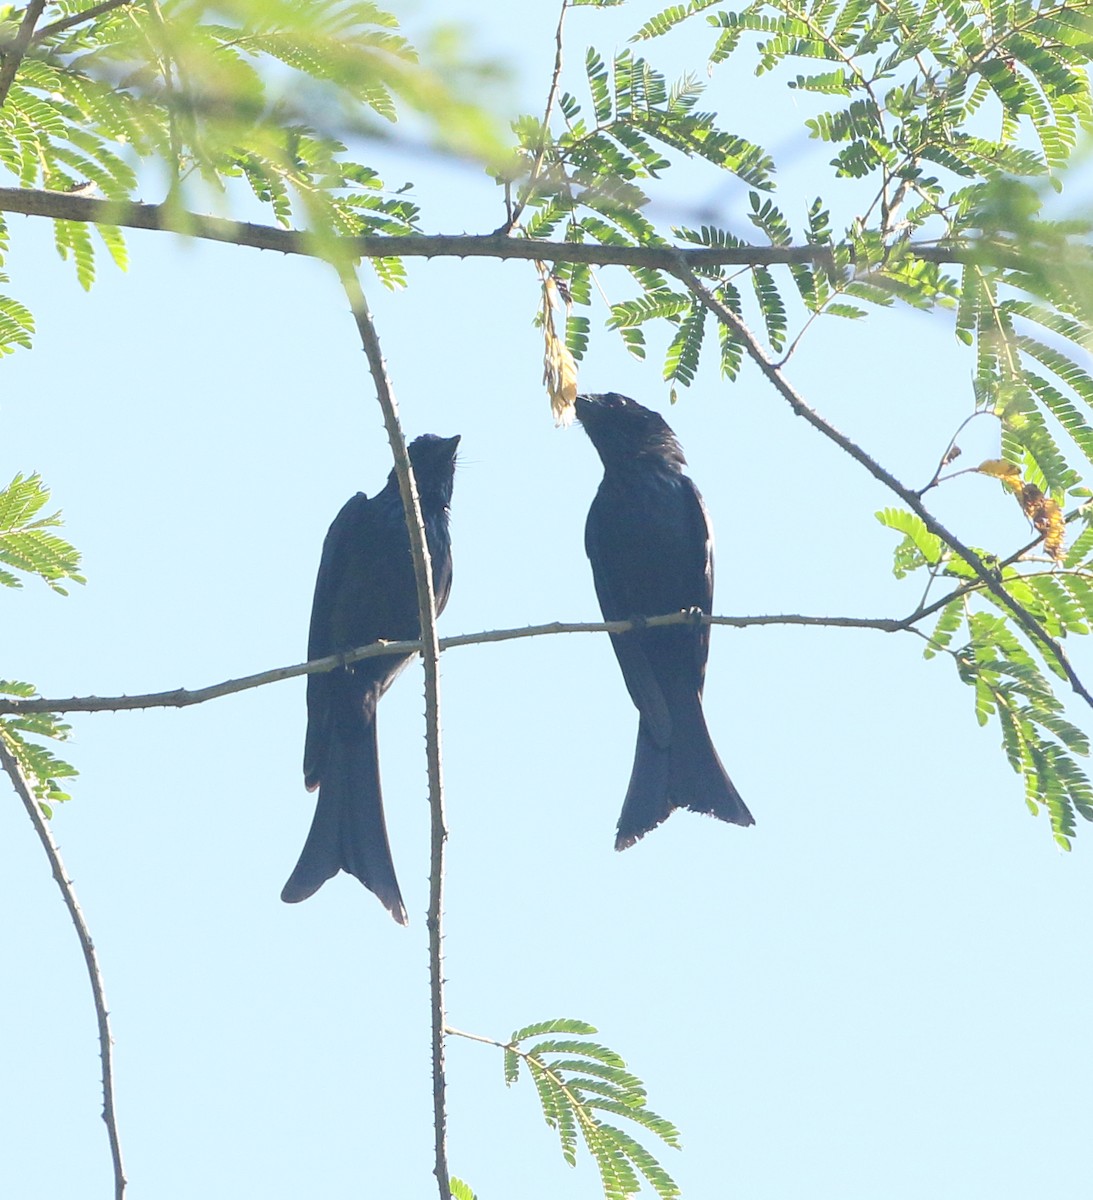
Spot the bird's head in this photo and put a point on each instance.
(433, 460)
(623, 430)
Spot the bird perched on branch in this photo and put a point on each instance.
(649, 540)
(365, 591)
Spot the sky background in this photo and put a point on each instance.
(877, 991)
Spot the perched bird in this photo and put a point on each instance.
(649, 540)
(365, 591)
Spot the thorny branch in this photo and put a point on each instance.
(13, 54)
(912, 499)
(106, 1045)
(172, 218)
(430, 650)
(79, 18)
(184, 697)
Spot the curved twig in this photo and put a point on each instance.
(45, 836)
(913, 501)
(946, 458)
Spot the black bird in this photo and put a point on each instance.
(365, 591)
(649, 539)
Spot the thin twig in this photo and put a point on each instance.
(552, 97)
(755, 351)
(20, 44)
(423, 574)
(172, 218)
(946, 458)
(475, 1037)
(106, 1051)
(184, 697)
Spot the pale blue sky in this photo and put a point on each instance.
(875, 992)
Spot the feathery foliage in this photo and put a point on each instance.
(946, 120)
(27, 546)
(243, 90)
(579, 1081)
(1004, 666)
(40, 766)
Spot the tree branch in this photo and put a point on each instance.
(912, 499)
(45, 836)
(476, 1037)
(430, 651)
(184, 698)
(88, 14)
(20, 44)
(171, 218)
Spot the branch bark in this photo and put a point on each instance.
(88, 14)
(14, 54)
(106, 1052)
(172, 218)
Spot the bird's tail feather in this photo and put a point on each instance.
(698, 780)
(685, 774)
(348, 832)
(647, 802)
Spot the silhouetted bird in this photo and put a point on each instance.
(365, 591)
(649, 539)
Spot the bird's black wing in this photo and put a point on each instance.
(349, 527)
(620, 600)
(699, 574)
(354, 541)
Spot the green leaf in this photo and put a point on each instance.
(512, 1066)
(666, 20)
(555, 1025)
(654, 304)
(41, 767)
(928, 544)
(573, 1089)
(16, 325)
(771, 306)
(73, 240)
(766, 216)
(849, 311)
(571, 1046)
(859, 120)
(952, 615)
(624, 1084)
(681, 360)
(596, 70)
